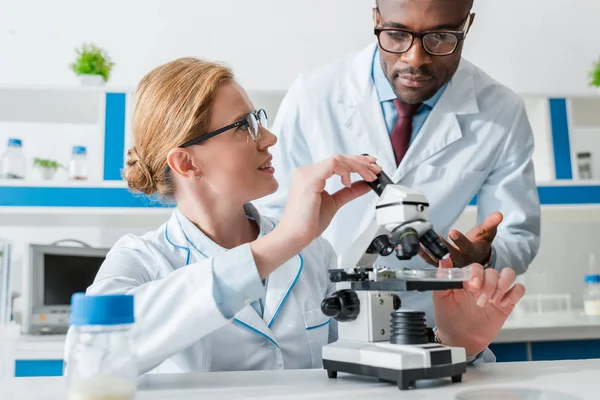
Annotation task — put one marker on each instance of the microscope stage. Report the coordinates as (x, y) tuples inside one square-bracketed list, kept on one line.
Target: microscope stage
[(403, 364)]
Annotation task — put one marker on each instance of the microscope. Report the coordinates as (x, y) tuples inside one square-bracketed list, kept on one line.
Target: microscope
[(375, 336)]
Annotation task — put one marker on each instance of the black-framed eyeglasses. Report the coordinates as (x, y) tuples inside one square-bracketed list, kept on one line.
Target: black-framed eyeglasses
[(436, 43), (252, 121)]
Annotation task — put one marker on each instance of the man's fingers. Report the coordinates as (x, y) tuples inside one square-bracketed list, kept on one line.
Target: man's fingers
[(505, 281), (462, 242), (427, 258), (513, 296)]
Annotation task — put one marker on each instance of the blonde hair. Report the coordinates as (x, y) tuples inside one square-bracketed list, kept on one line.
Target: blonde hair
[(173, 105)]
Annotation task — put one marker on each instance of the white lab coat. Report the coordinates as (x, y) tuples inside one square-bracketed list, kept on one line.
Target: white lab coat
[(179, 327), (476, 141)]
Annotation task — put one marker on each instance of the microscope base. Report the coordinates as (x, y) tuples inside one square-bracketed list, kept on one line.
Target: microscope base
[(401, 364)]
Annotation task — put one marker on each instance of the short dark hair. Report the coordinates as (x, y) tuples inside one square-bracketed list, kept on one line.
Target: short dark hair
[(470, 3)]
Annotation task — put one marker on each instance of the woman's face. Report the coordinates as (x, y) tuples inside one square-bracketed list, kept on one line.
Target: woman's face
[(232, 164)]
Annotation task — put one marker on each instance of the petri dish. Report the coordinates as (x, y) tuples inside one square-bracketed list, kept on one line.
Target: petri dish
[(514, 394), (434, 274)]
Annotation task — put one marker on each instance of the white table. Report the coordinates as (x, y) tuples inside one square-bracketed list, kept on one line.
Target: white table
[(579, 379)]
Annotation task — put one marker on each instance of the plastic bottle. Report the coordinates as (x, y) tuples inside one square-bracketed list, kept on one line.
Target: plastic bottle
[(78, 170), (13, 164), (591, 295), (101, 365)]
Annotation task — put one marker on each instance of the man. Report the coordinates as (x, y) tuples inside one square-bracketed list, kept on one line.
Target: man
[(436, 123)]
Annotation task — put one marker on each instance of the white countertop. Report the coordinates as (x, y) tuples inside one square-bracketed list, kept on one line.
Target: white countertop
[(577, 379), (573, 325)]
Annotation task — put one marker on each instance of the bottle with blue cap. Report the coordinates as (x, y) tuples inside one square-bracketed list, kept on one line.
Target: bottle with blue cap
[(13, 164), (102, 364), (78, 170), (591, 293)]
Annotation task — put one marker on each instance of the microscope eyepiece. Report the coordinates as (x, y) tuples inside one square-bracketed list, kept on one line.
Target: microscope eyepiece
[(380, 183)]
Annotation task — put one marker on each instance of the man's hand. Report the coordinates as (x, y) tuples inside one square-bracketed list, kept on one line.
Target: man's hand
[(471, 317), (474, 247)]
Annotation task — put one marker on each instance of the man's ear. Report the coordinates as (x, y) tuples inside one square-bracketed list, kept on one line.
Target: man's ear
[(181, 163), (375, 16)]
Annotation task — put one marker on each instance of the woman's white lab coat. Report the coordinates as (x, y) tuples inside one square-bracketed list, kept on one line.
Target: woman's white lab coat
[(179, 327)]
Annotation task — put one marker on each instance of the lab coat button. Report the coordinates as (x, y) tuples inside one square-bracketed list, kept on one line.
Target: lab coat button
[(246, 302)]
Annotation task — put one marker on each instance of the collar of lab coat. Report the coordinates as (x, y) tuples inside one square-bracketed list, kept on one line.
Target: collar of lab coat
[(365, 117), (182, 233)]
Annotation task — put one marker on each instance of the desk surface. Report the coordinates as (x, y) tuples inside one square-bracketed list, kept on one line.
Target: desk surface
[(578, 380)]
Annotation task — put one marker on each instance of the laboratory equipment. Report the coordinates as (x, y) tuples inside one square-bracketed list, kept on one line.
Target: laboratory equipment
[(591, 295), (584, 162), (13, 164), (375, 336), (102, 364), (78, 169), (9, 331), (55, 273)]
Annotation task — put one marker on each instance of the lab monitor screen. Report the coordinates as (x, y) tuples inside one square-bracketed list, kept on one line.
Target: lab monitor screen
[(67, 274)]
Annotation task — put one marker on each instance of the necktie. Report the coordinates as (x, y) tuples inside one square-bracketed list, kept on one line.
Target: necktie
[(402, 131)]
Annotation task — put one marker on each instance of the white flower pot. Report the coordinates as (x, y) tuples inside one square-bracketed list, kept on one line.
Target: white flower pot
[(46, 173), (92, 80)]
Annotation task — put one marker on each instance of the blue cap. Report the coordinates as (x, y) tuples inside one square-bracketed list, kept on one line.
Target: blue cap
[(101, 310), (79, 150), (592, 278), (15, 142)]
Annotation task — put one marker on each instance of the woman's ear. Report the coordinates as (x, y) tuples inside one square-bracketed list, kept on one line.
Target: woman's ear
[(182, 164)]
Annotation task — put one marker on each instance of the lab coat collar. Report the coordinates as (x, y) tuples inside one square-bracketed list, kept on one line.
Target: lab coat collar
[(183, 234), (365, 117)]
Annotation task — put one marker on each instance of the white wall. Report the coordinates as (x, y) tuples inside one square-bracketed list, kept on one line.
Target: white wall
[(531, 45)]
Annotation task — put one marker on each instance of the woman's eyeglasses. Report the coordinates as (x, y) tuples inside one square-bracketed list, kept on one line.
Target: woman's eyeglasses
[(253, 122)]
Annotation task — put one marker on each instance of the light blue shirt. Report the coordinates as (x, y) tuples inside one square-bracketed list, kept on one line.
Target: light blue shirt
[(386, 96)]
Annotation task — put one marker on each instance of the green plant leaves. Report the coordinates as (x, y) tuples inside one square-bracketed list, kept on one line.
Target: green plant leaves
[(51, 164), (92, 60), (595, 74)]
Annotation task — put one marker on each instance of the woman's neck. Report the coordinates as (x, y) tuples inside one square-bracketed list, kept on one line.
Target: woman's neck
[(224, 224)]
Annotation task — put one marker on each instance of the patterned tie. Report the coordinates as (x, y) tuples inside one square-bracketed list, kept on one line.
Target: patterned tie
[(402, 132)]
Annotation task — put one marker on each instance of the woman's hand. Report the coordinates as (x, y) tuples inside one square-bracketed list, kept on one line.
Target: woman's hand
[(471, 317), (310, 208)]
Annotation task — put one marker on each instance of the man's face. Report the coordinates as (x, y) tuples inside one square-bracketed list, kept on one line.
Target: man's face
[(416, 75)]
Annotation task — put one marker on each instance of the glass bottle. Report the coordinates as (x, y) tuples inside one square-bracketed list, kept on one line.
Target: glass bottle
[(102, 365), (78, 170), (13, 164)]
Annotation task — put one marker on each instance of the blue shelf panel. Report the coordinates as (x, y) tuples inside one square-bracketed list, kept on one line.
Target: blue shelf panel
[(21, 196), (565, 195), (559, 121), (509, 352), (114, 135), (33, 368), (26, 196), (565, 350)]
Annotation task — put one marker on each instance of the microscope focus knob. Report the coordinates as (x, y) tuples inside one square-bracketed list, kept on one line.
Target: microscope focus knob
[(342, 306)]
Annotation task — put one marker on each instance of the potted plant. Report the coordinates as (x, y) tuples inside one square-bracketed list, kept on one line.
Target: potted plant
[(595, 75), (93, 65), (46, 168)]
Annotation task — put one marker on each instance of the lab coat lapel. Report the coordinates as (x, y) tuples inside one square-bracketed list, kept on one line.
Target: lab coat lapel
[(280, 284), (442, 127), (202, 247), (365, 123)]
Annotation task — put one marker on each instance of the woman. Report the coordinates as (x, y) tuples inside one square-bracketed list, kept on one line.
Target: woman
[(220, 287)]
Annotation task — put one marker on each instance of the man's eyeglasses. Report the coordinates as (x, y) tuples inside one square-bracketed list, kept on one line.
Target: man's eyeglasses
[(436, 43), (253, 122)]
